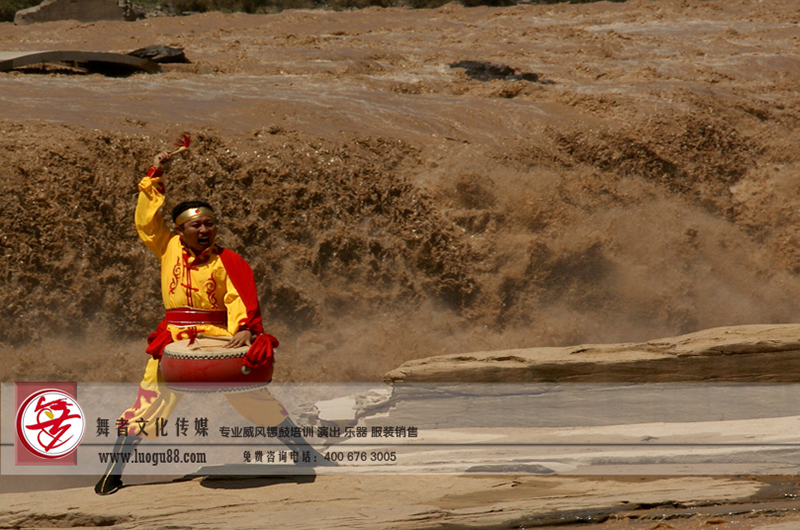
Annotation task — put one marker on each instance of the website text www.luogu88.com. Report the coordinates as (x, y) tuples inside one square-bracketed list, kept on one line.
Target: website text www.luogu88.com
[(154, 458)]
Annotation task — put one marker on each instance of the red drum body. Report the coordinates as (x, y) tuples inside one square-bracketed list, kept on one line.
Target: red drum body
[(206, 366)]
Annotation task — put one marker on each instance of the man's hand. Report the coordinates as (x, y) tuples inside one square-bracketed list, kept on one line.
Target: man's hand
[(161, 159), (242, 338)]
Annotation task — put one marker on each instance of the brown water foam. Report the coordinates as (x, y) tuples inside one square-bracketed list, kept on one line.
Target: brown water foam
[(361, 267), (393, 208)]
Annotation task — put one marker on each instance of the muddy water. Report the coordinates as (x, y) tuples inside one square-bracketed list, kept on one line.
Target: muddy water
[(241, 104), (395, 208)]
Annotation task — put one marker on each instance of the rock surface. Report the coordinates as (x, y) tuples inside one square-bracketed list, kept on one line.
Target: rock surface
[(366, 502), (736, 353), (80, 10)]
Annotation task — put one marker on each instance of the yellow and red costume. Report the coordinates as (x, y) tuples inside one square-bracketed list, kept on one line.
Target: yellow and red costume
[(213, 293)]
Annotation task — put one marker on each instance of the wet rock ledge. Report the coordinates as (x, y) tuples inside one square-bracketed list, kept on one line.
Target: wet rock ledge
[(750, 353)]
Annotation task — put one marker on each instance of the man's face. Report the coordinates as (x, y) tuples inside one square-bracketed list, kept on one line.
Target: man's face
[(198, 234)]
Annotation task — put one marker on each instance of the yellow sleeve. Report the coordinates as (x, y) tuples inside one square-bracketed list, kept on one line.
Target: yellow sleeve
[(237, 312), (149, 223)]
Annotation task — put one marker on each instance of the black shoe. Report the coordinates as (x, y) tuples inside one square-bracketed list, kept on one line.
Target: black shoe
[(108, 484)]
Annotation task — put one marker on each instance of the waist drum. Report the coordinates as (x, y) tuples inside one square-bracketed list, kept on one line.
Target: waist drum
[(205, 366)]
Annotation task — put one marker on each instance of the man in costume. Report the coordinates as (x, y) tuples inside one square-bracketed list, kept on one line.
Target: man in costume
[(206, 289)]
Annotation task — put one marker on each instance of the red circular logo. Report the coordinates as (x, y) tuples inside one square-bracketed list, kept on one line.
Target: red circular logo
[(50, 423)]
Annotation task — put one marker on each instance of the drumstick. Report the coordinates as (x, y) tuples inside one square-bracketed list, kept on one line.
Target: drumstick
[(182, 144)]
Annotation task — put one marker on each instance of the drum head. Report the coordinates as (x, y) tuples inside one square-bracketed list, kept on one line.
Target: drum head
[(204, 348)]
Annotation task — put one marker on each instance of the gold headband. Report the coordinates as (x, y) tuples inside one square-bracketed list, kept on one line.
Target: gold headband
[(191, 213)]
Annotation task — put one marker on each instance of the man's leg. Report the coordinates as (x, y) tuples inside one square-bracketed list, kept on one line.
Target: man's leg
[(262, 409), (259, 407), (154, 401), (111, 480)]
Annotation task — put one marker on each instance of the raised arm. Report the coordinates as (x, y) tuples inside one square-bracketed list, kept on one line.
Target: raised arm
[(149, 223)]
